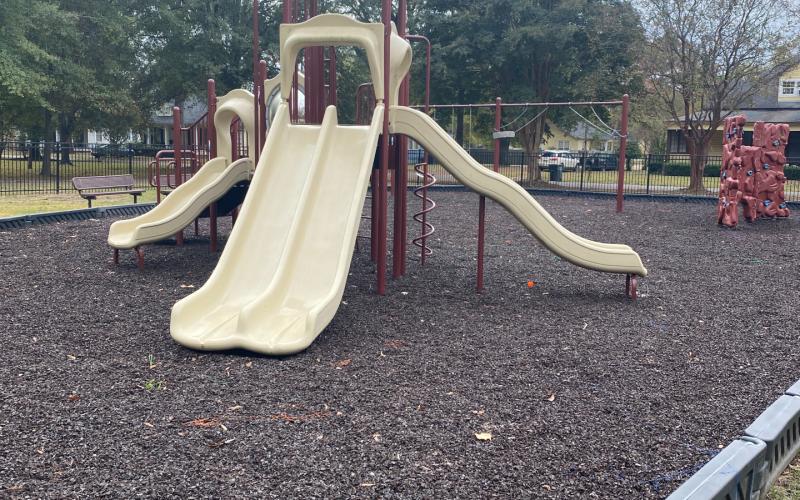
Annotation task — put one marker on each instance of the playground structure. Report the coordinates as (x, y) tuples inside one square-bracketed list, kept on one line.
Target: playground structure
[(301, 228), (281, 276), (752, 176)]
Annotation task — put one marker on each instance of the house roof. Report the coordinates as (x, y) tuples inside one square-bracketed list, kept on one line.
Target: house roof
[(193, 108), (582, 130)]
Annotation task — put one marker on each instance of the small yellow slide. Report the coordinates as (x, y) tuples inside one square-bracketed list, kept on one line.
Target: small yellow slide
[(186, 202)]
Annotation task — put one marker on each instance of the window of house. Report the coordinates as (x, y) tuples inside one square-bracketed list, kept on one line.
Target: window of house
[(563, 145), (790, 87)]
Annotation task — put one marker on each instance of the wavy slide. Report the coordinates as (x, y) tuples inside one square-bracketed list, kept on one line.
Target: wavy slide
[(183, 205), (281, 276), (567, 245)]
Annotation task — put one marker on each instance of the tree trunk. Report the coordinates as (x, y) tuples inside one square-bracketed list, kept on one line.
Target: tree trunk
[(697, 147), (48, 145), (65, 129), (531, 136)]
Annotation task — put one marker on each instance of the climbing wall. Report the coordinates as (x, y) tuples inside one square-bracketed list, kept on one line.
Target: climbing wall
[(752, 176)]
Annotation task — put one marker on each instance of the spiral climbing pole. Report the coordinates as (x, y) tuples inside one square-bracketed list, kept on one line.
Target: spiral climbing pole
[(426, 228)]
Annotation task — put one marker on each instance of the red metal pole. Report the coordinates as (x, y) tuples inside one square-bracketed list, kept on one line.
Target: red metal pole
[(498, 110), (400, 184), (212, 153), (404, 101), (498, 113), (386, 18), (176, 152), (212, 128), (176, 144), (235, 140), (262, 105), (287, 11), (623, 144), (481, 238), (332, 76), (256, 85)]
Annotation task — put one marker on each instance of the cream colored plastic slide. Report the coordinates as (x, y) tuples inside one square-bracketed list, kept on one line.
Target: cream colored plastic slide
[(567, 245), (183, 205), (186, 202), (281, 276)]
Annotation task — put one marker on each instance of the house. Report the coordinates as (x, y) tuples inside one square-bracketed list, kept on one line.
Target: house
[(581, 137), (779, 103), (159, 130)]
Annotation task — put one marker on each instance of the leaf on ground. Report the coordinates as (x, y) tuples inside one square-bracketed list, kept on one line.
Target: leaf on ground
[(341, 364), (395, 344), (551, 397), (187, 286), (234, 408), (204, 422), (73, 397), (71, 357), (483, 436), (248, 364), (221, 442), (148, 424)]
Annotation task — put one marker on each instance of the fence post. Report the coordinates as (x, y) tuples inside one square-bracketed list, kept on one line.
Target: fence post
[(58, 167), (130, 159), (647, 174), (583, 167)]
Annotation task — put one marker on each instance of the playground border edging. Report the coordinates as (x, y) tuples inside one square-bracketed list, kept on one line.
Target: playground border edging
[(746, 472), (22, 221)]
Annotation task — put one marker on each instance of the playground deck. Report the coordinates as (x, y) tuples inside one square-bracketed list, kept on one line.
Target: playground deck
[(581, 389)]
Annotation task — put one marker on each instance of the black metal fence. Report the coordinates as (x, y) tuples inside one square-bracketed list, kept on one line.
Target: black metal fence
[(25, 168), (49, 167), (598, 172)]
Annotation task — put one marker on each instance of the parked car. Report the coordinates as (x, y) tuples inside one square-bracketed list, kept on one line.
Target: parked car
[(601, 161), (140, 149), (112, 150), (560, 157)]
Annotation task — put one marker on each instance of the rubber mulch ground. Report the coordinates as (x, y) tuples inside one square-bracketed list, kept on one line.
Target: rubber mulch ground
[(585, 393)]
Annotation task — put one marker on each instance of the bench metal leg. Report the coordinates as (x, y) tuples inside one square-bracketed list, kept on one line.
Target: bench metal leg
[(139, 257), (197, 227), (135, 198), (90, 202), (116, 256), (179, 238)]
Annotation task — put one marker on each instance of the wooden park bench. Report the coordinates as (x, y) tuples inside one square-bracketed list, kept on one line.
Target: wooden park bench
[(106, 185)]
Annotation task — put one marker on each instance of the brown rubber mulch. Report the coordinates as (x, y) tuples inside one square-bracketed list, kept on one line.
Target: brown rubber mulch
[(585, 394)]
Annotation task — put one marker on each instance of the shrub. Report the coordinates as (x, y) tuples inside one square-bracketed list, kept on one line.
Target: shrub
[(684, 169)]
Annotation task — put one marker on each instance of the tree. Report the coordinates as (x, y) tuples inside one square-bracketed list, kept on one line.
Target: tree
[(542, 50), (73, 73), (707, 58)]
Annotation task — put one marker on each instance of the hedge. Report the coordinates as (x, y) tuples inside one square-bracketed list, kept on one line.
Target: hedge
[(792, 172)]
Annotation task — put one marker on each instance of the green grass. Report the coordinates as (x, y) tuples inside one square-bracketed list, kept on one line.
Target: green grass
[(34, 203), (788, 485)]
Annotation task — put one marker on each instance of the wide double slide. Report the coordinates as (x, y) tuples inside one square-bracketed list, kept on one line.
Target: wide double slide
[(605, 257), (282, 274)]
